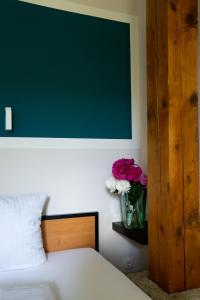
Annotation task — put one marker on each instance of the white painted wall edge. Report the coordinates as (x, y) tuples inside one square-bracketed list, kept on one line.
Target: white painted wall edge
[(83, 9), (65, 143)]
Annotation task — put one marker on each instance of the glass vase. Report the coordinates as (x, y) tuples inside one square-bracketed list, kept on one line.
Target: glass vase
[(133, 213)]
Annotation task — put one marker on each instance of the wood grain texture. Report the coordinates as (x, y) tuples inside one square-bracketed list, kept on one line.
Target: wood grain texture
[(165, 154), (171, 209), (69, 233), (153, 143), (190, 142), (172, 144)]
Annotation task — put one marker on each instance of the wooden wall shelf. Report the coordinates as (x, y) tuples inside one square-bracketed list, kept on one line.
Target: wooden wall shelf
[(138, 235)]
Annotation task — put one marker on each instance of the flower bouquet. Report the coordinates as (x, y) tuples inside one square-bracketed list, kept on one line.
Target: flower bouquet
[(130, 183)]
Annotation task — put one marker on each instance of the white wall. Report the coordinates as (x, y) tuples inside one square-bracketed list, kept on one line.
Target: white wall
[(122, 6), (75, 179), (143, 78)]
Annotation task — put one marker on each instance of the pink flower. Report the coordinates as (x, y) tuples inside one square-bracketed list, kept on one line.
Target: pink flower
[(143, 180), (121, 168), (135, 173)]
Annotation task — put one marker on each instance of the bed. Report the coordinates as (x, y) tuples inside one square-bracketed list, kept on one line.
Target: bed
[(74, 269)]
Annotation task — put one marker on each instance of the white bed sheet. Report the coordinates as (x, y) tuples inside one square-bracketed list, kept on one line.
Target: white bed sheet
[(80, 274), (32, 292)]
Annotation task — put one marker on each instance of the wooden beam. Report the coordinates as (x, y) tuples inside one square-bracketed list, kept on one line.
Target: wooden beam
[(190, 142), (153, 142), (172, 161)]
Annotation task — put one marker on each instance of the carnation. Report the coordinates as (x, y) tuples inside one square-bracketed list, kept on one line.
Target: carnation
[(135, 173), (111, 184), (127, 177), (120, 186), (121, 168), (143, 180), (123, 186)]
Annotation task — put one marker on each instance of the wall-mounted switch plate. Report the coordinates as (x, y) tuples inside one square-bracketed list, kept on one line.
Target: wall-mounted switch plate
[(8, 118)]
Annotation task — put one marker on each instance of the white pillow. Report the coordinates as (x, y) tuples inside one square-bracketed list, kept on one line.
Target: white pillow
[(20, 233)]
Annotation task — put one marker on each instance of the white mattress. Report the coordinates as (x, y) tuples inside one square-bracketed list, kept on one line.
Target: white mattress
[(81, 274)]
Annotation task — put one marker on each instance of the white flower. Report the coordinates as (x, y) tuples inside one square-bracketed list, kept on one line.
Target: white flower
[(111, 184), (123, 186)]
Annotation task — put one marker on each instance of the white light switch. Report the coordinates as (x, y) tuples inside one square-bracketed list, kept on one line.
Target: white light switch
[(8, 118)]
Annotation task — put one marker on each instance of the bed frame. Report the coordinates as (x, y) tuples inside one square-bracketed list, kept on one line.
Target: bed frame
[(71, 231)]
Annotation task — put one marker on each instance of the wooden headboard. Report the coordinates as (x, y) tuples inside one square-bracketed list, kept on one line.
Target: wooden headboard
[(62, 232)]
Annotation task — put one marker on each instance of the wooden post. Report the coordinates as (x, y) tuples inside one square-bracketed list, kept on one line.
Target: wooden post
[(174, 231)]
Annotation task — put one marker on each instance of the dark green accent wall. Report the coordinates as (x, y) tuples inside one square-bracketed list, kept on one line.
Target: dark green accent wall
[(63, 74)]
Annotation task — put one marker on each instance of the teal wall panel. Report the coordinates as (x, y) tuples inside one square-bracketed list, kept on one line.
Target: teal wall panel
[(64, 74)]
